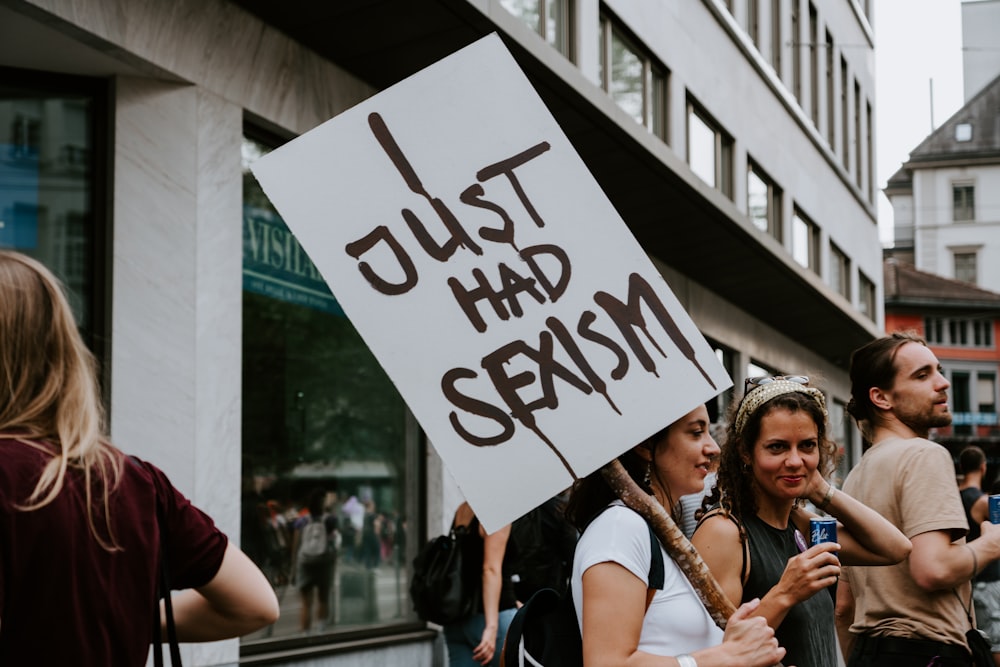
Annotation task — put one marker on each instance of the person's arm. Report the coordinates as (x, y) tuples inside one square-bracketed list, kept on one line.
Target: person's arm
[(980, 509), (717, 540), (937, 563), (237, 601), (843, 617), (494, 547), (614, 605), (864, 535)]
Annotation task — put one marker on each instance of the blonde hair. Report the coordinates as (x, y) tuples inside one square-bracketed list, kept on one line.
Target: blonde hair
[(49, 398)]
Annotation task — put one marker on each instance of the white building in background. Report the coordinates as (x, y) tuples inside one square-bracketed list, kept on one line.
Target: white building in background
[(736, 139), (946, 196)]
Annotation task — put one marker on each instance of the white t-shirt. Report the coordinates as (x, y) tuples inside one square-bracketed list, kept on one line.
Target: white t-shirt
[(676, 621)]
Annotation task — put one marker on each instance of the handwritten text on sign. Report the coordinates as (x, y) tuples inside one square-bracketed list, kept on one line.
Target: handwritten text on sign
[(492, 279)]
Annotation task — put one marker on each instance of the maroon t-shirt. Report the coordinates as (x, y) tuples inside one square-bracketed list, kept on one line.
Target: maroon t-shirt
[(64, 599)]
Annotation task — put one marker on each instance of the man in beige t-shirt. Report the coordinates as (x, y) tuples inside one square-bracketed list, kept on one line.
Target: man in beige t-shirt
[(916, 611)]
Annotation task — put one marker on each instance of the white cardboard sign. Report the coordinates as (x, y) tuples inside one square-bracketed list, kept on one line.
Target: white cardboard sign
[(476, 255)]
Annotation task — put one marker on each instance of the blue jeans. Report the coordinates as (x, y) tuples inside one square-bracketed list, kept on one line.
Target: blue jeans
[(462, 638)]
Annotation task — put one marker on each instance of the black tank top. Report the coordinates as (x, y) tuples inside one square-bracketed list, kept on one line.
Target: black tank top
[(969, 496), (807, 633)]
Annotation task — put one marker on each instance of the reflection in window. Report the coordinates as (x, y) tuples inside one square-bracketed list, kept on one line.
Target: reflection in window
[(321, 420), (763, 202), (710, 150), (964, 203), (47, 180), (632, 79), (805, 241), (549, 18)]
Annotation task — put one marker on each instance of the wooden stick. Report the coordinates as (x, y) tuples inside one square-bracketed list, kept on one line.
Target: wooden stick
[(676, 544)]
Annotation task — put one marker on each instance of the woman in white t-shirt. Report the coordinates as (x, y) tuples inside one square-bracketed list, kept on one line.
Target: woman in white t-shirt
[(621, 617)]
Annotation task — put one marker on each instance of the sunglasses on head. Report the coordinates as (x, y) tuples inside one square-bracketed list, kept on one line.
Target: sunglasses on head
[(750, 383)]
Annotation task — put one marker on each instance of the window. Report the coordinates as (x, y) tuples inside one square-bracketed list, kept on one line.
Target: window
[(959, 332), (963, 132), (866, 296), (549, 18), (986, 393), (965, 266), (831, 121), (870, 152), (934, 330), (763, 202), (320, 419), (844, 117), (963, 203), (842, 433), (50, 178), (857, 134), (796, 52), (718, 407), (753, 22), (710, 150), (961, 402), (982, 333), (805, 241), (776, 46), (632, 79), (840, 271), (814, 64)]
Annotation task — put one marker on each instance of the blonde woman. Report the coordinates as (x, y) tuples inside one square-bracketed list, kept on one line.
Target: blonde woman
[(79, 539)]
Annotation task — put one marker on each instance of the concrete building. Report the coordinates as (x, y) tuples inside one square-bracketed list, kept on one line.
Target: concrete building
[(736, 139)]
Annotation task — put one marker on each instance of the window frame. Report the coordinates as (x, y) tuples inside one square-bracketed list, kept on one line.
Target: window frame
[(773, 194), (964, 210), (722, 149), (564, 26), (812, 239), (655, 75)]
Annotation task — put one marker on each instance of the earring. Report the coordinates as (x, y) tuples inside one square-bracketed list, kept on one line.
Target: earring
[(646, 476)]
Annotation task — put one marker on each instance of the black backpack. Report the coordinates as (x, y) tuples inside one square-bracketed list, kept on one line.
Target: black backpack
[(542, 542), (446, 586), (545, 633)]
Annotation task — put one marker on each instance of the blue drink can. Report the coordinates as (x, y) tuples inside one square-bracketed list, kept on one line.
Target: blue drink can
[(824, 530), (995, 509)]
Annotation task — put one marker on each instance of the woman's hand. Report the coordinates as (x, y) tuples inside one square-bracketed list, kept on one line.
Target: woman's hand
[(749, 641), (487, 646), (811, 571)]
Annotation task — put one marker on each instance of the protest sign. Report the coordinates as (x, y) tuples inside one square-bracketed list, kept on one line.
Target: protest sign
[(521, 321)]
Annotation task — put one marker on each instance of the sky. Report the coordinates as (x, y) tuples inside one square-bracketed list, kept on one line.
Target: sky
[(918, 49)]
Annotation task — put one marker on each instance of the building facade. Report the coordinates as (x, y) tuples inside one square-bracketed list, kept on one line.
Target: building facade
[(736, 139)]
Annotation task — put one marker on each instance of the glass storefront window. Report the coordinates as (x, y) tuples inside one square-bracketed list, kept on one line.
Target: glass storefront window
[(323, 423), (47, 179)]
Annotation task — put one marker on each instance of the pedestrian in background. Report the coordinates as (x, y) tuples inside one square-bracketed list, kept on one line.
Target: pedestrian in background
[(918, 612), (777, 454), (986, 584), (478, 639), (79, 536)]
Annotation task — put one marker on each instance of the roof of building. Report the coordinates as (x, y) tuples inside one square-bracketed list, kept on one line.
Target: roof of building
[(906, 285), (970, 136)]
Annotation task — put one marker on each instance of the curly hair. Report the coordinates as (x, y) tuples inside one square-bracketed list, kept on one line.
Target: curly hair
[(734, 488)]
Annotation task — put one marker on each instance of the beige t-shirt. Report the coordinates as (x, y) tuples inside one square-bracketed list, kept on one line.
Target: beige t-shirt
[(912, 484)]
